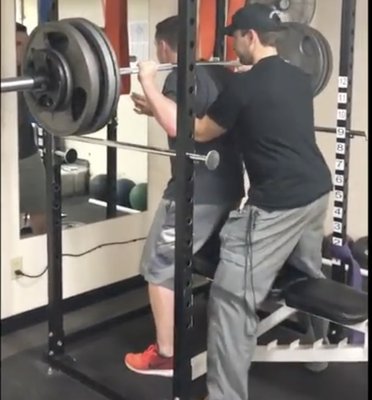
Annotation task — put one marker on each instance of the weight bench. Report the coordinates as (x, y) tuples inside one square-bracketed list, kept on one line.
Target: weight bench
[(295, 292)]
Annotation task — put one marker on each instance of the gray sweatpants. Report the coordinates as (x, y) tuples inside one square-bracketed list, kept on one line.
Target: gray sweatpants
[(254, 246)]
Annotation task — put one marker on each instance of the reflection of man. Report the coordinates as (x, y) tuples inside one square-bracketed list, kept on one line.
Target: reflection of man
[(31, 169), (215, 194)]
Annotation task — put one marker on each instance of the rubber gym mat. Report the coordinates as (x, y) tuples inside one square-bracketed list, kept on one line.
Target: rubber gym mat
[(101, 358), (24, 376)]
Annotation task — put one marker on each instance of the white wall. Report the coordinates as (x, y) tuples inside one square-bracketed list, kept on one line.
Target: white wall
[(328, 21)]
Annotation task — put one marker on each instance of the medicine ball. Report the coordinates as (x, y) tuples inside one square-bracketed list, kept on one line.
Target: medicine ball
[(360, 251), (123, 189), (138, 197), (97, 187)]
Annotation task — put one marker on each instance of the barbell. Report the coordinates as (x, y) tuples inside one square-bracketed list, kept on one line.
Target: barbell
[(70, 77), (71, 83)]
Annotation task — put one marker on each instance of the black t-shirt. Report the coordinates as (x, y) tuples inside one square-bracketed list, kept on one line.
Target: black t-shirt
[(270, 108), (26, 138), (224, 184)]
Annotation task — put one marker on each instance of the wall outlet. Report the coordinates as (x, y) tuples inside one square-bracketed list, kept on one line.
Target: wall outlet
[(16, 264)]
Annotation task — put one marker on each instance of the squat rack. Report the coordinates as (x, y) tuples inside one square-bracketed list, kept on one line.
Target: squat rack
[(184, 204), (184, 227)]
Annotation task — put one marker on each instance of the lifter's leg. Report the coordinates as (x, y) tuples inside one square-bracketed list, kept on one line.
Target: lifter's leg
[(162, 306), (157, 266)]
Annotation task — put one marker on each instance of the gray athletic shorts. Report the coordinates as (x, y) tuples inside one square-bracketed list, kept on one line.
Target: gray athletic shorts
[(157, 264), (32, 192)]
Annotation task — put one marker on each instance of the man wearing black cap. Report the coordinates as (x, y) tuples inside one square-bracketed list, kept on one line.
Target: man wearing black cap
[(270, 108)]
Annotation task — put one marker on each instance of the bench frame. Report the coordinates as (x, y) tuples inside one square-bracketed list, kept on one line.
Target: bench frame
[(295, 351)]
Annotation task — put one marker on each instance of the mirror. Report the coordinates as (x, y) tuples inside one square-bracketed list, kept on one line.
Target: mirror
[(84, 179)]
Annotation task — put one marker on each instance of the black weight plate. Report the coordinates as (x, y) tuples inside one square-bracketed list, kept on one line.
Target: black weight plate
[(109, 71), (360, 251), (328, 57), (291, 10), (74, 48), (324, 71), (299, 45)]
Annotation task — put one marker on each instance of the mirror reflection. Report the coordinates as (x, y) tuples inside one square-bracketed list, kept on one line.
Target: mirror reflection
[(87, 170)]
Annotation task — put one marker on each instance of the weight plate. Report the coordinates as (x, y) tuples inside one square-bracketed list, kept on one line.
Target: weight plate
[(328, 57), (84, 68), (109, 71), (57, 96), (300, 46), (291, 10)]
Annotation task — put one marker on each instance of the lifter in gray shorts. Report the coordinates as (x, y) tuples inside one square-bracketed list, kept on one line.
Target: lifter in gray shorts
[(216, 193), (32, 192)]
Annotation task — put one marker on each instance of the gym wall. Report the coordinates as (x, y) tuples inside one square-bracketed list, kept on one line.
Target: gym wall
[(100, 268)]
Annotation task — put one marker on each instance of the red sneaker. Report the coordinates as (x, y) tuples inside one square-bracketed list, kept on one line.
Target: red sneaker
[(150, 362)]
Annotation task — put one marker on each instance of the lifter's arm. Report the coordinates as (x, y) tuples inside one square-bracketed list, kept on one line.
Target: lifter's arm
[(207, 129), (222, 115), (164, 109)]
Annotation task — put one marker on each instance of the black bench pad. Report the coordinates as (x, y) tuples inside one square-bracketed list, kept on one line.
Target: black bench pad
[(322, 297), (328, 299)]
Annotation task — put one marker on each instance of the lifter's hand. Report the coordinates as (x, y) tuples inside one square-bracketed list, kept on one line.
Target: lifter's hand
[(140, 104), (147, 71)]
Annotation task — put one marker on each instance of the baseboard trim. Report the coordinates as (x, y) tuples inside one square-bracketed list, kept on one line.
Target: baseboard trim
[(38, 315)]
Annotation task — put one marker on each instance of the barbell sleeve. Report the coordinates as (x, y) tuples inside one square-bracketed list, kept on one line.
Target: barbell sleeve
[(211, 159), (69, 156), (22, 83)]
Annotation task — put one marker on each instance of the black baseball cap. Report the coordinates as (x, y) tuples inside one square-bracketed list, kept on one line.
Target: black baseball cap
[(259, 17)]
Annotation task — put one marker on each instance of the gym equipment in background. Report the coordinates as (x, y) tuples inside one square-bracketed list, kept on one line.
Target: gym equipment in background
[(138, 197), (301, 11), (360, 251), (123, 189), (308, 49)]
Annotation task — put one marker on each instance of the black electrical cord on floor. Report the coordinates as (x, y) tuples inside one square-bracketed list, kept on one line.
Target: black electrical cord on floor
[(18, 272)]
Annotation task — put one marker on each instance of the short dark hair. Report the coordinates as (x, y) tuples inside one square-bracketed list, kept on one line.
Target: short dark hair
[(267, 38), (167, 30), (20, 28)]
